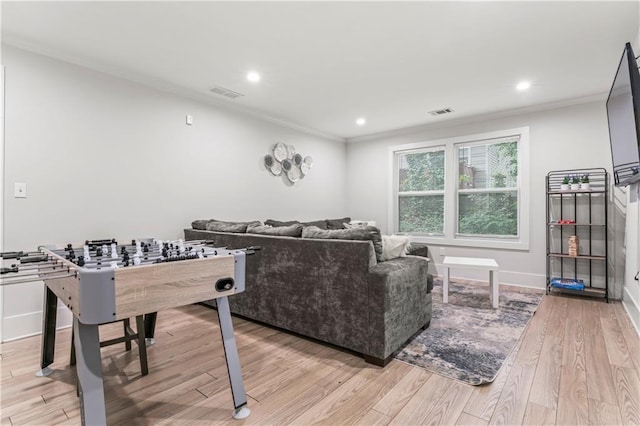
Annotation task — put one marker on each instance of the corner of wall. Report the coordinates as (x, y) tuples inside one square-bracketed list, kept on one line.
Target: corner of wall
[(632, 310)]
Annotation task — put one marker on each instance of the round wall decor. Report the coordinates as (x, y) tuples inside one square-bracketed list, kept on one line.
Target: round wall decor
[(285, 161), (280, 151)]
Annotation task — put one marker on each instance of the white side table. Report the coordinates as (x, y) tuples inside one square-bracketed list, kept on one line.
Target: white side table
[(474, 263)]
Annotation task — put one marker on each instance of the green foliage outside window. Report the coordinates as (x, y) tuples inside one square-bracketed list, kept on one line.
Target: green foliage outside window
[(422, 171), (422, 214), (488, 214), (507, 154)]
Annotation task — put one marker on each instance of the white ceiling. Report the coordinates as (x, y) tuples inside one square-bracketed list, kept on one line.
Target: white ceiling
[(324, 64)]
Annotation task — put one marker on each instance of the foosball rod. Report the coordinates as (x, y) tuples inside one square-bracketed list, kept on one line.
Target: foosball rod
[(23, 279), (15, 269), (48, 264), (17, 254), (29, 272)]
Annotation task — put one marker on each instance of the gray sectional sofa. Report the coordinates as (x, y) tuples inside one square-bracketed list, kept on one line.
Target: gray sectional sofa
[(332, 290)]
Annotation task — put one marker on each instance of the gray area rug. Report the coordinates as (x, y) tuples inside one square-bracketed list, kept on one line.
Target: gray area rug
[(468, 340)]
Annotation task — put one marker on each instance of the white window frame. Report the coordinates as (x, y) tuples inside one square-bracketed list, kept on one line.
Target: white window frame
[(450, 238)]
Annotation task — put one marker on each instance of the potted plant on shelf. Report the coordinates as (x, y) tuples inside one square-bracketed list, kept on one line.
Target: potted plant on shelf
[(584, 182), (575, 183), (564, 186)]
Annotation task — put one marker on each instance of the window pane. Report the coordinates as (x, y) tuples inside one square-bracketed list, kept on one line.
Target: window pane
[(422, 214), (421, 171), (488, 213), (488, 166), (503, 165)]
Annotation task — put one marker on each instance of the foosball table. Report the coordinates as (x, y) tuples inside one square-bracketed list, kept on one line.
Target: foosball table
[(103, 282)]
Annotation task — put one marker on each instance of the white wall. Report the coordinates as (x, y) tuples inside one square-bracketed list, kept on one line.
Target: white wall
[(103, 157), (631, 291), (563, 138)]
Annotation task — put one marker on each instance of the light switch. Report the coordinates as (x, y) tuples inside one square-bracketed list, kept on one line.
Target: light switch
[(189, 120), (20, 190)]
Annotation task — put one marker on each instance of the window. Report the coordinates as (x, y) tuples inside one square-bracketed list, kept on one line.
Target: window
[(463, 191), (421, 191), (488, 188)]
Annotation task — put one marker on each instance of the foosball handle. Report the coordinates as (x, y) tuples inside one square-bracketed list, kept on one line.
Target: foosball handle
[(33, 259), (11, 254), (8, 270)]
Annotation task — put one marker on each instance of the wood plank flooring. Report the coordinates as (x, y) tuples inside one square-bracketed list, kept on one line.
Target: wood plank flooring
[(577, 363)]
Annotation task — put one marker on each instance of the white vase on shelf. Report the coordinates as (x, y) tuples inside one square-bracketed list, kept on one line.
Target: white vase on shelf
[(564, 187), (585, 186), (575, 186)]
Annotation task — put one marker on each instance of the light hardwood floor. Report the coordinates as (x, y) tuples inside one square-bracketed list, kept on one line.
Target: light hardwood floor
[(577, 363)]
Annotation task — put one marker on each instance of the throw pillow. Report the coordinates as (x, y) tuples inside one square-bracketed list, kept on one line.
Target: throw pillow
[(370, 233), (236, 227), (337, 223), (394, 246), (322, 224), (277, 223), (294, 230)]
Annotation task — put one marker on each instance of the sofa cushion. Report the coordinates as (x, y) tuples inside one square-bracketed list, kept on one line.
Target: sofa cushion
[(277, 223), (337, 223), (418, 249), (294, 230), (370, 233), (200, 224), (221, 226), (322, 224)]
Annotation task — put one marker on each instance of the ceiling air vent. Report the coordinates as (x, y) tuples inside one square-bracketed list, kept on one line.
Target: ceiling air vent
[(442, 111), (226, 92)]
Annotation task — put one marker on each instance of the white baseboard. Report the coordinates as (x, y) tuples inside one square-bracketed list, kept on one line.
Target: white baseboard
[(30, 324), (632, 310), (518, 279)]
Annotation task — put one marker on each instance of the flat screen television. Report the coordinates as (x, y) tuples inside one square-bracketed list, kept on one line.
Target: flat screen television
[(623, 114)]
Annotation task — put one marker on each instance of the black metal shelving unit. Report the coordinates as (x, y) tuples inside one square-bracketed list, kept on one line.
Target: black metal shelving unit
[(586, 211)]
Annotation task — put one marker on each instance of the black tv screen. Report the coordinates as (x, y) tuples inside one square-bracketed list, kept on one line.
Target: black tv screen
[(623, 114)]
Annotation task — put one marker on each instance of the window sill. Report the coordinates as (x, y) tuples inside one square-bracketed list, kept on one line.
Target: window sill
[(470, 242)]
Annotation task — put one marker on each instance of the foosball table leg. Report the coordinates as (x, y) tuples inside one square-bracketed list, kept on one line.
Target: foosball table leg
[(150, 327), (241, 411), (89, 370), (48, 332)]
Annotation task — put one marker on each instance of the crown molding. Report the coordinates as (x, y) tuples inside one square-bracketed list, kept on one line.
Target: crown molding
[(480, 117), (205, 98)]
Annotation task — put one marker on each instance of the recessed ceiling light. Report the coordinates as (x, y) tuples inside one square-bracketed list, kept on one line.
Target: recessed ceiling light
[(253, 77), (523, 85), (361, 121)]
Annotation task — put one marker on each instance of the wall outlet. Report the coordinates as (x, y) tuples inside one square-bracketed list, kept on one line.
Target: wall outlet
[(20, 190), (442, 251)]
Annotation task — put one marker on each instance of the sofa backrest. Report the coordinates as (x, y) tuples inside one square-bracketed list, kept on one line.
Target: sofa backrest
[(353, 252)]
